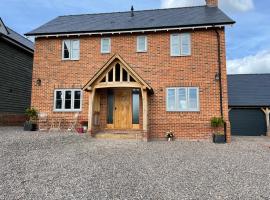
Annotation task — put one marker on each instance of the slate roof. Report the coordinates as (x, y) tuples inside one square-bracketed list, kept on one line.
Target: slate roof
[(10, 35), (145, 19), (249, 90), (20, 39)]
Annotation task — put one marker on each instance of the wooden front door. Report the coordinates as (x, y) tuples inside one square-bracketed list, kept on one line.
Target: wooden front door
[(122, 110)]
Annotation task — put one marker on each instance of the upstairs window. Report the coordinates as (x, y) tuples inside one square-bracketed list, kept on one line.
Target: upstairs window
[(69, 100), (106, 45), (142, 44), (71, 50), (181, 44), (183, 99)]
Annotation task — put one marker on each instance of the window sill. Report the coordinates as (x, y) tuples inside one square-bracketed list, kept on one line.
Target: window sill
[(141, 51), (65, 111), (183, 111), (70, 60), (181, 56)]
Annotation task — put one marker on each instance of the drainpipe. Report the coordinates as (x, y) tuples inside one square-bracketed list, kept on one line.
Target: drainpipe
[(220, 80)]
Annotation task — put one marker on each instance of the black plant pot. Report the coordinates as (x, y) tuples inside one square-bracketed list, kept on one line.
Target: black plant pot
[(220, 139), (34, 127), (29, 127)]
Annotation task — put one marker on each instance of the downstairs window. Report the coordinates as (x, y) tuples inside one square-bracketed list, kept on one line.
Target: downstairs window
[(69, 100), (183, 99)]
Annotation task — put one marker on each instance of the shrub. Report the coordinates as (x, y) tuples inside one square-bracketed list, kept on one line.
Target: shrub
[(217, 122), (31, 114)]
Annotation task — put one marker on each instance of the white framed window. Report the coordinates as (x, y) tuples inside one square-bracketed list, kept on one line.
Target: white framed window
[(180, 44), (105, 45), (68, 100), (183, 99), (71, 49), (142, 44)]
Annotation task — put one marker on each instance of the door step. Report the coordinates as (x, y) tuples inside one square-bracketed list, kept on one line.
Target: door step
[(119, 134)]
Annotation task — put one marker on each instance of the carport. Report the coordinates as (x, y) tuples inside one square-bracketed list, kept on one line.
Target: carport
[(249, 104)]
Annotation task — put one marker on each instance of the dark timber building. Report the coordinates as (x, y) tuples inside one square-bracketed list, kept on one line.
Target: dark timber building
[(16, 63)]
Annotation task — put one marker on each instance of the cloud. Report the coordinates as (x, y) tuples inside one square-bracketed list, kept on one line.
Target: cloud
[(259, 63), (228, 5), (237, 5)]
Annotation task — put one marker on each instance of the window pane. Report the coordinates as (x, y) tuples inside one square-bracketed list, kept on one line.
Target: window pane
[(131, 79), (125, 75), (117, 72), (175, 45), (58, 104), (59, 95), (105, 45), (75, 49), (75, 44), (110, 107), (67, 49), (182, 99), (68, 95), (185, 44), (171, 100), (67, 104), (193, 99), (77, 99), (77, 95), (135, 106), (111, 75), (68, 100), (77, 104), (58, 101), (141, 43)]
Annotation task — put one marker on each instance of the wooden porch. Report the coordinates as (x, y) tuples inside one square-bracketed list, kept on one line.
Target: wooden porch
[(122, 86)]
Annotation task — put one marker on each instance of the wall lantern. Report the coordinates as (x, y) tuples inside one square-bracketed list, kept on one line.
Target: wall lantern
[(38, 82), (217, 76)]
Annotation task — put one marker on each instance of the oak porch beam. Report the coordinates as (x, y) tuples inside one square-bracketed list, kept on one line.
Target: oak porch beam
[(267, 112), (145, 109), (91, 109)]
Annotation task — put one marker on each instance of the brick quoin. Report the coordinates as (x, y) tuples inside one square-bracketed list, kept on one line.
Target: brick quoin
[(156, 67)]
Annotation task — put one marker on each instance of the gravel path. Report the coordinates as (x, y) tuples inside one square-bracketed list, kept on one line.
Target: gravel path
[(37, 165)]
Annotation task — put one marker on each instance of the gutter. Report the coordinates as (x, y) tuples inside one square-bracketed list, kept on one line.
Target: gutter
[(139, 30), (220, 81)]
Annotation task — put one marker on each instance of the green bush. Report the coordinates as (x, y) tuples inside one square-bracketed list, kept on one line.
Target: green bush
[(217, 122), (31, 113)]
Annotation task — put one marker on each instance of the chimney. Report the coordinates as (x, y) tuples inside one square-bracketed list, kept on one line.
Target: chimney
[(132, 11), (212, 3)]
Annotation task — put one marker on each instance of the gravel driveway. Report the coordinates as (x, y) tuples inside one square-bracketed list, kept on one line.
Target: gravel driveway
[(67, 166)]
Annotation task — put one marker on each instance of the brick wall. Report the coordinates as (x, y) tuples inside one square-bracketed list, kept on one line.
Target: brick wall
[(11, 119), (156, 67)]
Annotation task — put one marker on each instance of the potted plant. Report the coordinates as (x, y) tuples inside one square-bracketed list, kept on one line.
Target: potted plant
[(31, 123), (169, 135), (218, 136), (84, 125)]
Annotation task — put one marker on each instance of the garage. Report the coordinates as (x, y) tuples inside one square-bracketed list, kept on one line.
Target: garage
[(249, 104), (247, 121)]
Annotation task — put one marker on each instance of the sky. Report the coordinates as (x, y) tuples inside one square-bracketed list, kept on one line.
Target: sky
[(247, 42)]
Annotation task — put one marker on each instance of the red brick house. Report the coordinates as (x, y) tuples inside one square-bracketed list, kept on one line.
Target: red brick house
[(151, 71)]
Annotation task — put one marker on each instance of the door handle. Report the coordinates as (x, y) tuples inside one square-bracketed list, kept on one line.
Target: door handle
[(115, 108)]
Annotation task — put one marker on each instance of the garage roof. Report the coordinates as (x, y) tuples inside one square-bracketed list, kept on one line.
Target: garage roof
[(249, 90)]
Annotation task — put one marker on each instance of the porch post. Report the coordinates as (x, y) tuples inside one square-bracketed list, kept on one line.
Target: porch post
[(145, 113), (267, 112), (90, 111)]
